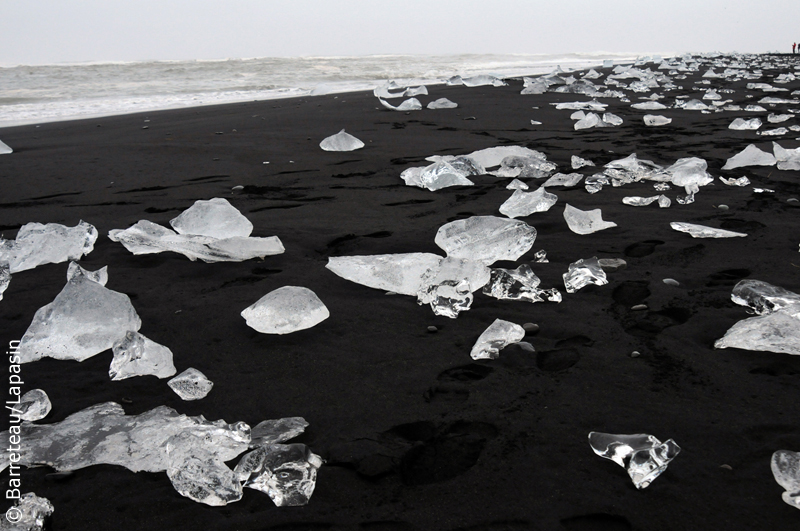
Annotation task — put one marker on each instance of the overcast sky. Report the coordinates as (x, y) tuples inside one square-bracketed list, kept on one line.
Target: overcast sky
[(56, 31)]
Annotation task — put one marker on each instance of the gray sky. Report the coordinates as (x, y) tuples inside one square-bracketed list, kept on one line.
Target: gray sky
[(55, 31)]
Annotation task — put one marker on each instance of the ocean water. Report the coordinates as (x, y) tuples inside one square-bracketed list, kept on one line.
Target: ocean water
[(36, 94)]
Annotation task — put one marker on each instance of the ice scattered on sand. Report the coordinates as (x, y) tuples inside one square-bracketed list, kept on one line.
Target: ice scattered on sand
[(215, 218), (522, 204), (422, 90), (448, 287), (286, 310), (740, 124), (411, 104), (701, 231), (191, 384), (778, 118), (38, 244), (499, 335), (396, 273), (33, 405), (136, 355), (485, 238), (582, 273), (5, 149), (741, 181), (520, 284), (643, 456), (663, 201), (750, 156), (761, 297), (442, 174), (785, 466), (341, 141), (29, 513), (442, 103), (649, 106), (788, 159), (5, 279), (585, 221), (774, 132), (516, 184), (578, 162), (654, 120), (563, 179), (287, 473)]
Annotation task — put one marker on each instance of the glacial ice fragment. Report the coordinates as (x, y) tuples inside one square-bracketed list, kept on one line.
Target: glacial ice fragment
[(411, 104), (494, 156), (276, 431), (516, 166), (649, 106), (778, 331), (584, 272), (499, 335), (199, 474), (563, 179), (522, 204), (483, 80), (442, 103), (437, 176), (741, 181), (448, 287), (136, 355), (485, 238), (397, 273), (611, 119), (785, 466), (750, 156), (643, 456), (286, 310), (701, 231), (585, 221), (33, 405), (762, 297), (788, 159), (587, 122), (516, 184), (644, 201), (191, 384), (520, 284), (690, 172), (578, 162), (654, 120), (422, 90), (287, 473), (29, 512), (5, 279), (215, 218), (38, 244), (5, 149), (774, 132), (778, 118), (382, 92), (592, 105), (84, 319), (341, 141), (740, 124)]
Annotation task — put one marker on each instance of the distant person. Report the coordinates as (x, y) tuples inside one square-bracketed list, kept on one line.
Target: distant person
[(794, 45)]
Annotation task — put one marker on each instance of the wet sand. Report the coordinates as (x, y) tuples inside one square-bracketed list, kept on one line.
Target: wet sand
[(414, 433)]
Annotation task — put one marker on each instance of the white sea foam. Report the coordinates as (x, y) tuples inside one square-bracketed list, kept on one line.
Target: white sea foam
[(35, 94)]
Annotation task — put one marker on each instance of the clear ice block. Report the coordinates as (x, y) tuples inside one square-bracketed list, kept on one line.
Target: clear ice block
[(778, 118), (136, 355), (531, 167), (287, 473), (341, 141), (448, 287), (690, 171), (643, 456), (5, 279), (38, 244), (516, 184), (29, 512), (33, 405), (198, 473), (584, 272), (701, 231), (587, 122), (649, 106), (398, 273), (788, 159), (411, 104), (494, 156), (578, 162), (519, 284), (585, 221), (740, 124), (522, 204), (639, 201), (5, 149), (442, 103), (762, 297), (486, 238), (774, 332), (286, 310), (276, 431), (436, 176), (499, 335), (785, 466), (563, 179), (191, 384), (215, 218), (750, 156), (741, 181), (656, 120)]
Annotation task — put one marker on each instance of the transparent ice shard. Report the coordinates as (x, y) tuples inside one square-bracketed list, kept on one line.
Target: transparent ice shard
[(499, 335), (522, 204), (701, 231), (785, 466), (411, 104), (215, 218), (741, 181), (383, 91), (690, 171), (38, 244), (287, 473), (761, 297), (198, 473), (540, 257), (693, 105), (755, 108), (584, 272), (191, 384), (5, 149), (422, 90), (341, 141), (448, 287), (520, 284), (398, 273), (442, 103), (136, 355), (516, 166), (494, 156), (655, 120), (516, 184), (84, 319), (774, 132), (483, 80), (664, 201), (788, 159), (592, 105), (643, 456), (454, 81), (611, 119), (485, 238), (29, 512), (587, 122), (5, 279), (585, 221), (276, 431), (437, 176), (578, 162), (286, 310), (778, 118), (778, 331), (639, 201), (563, 179), (649, 106), (33, 405), (750, 156)]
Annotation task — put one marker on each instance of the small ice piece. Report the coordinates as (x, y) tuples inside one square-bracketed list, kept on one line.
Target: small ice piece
[(788, 159), (286, 310), (276, 431), (763, 190), (592, 105), (85, 319), (701, 231), (33, 405), (397, 273), (762, 297), (516, 166), (778, 118), (540, 257), (522, 204), (639, 201), (29, 512), (563, 179), (448, 287), (442, 103), (585, 221), (5, 149), (578, 162), (611, 119), (411, 104), (755, 108), (664, 201), (516, 184), (519, 284), (643, 456), (661, 187), (741, 181), (38, 244), (534, 122), (215, 218), (774, 132), (750, 156), (341, 141), (437, 176), (499, 335), (383, 91), (588, 121), (649, 106), (5, 279), (584, 272), (785, 466), (740, 124), (422, 90), (200, 475), (136, 355), (778, 331), (287, 473), (655, 120), (483, 80), (577, 115), (494, 156), (690, 172), (485, 238), (694, 105), (191, 384)]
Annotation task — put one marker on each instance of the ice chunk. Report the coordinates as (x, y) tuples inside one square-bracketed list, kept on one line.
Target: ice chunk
[(516, 184), (442, 103), (491, 157), (611, 119), (649, 106), (778, 331), (520, 284), (286, 310), (5, 279), (198, 473), (585, 221), (136, 355), (788, 159), (38, 244), (592, 105), (191, 384), (774, 132), (578, 162), (640, 201), (693, 105), (341, 141), (483, 80), (29, 512), (762, 297), (701, 231), (563, 179), (741, 181), (516, 166), (454, 80), (215, 218), (83, 320), (755, 108), (643, 456), (33, 405), (499, 335), (448, 287), (654, 120), (584, 272), (750, 156), (397, 273), (5, 149), (690, 172), (522, 204), (587, 122), (422, 90), (785, 466), (485, 238), (383, 91), (437, 176), (411, 104), (287, 473), (276, 431)]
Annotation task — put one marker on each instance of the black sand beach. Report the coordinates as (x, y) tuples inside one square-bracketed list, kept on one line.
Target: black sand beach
[(414, 433)]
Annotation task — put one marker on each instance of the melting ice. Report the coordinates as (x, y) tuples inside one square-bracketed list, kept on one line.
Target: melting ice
[(341, 141), (286, 310), (643, 456), (38, 244), (499, 335)]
